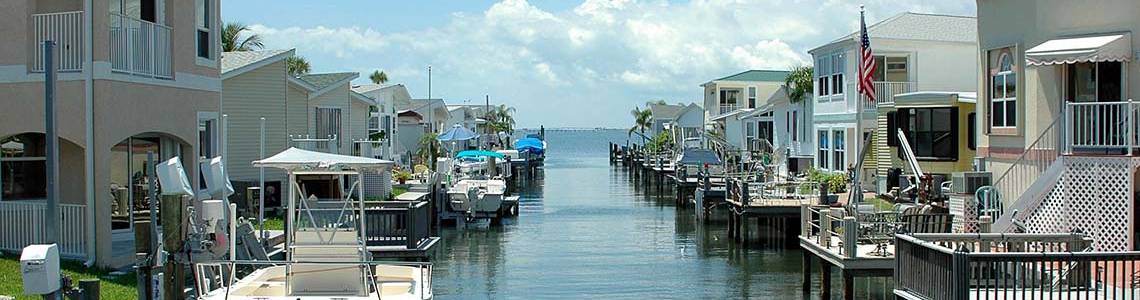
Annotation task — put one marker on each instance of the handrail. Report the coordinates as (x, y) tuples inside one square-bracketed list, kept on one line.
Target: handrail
[(140, 47), (1003, 182)]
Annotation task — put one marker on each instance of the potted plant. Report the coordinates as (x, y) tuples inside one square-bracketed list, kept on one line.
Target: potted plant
[(402, 176)]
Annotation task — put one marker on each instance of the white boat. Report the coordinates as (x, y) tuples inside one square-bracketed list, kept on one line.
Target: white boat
[(326, 257), (484, 196)]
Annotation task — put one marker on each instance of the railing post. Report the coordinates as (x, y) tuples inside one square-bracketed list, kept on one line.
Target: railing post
[(984, 223), (850, 236), (1128, 126), (960, 273), (825, 227), (805, 219)]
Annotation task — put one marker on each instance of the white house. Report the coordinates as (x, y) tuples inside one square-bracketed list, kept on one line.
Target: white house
[(416, 117), (382, 119), (727, 98), (912, 52), (783, 125)]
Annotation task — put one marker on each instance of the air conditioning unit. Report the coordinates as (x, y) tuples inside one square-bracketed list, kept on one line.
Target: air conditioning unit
[(969, 182)]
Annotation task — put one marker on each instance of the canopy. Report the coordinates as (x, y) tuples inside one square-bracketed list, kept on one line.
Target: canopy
[(699, 156), (293, 159), (530, 145), (479, 153), (457, 133), (1112, 47)]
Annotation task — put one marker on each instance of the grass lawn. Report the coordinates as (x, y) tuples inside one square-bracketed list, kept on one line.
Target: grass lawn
[(271, 223), (120, 287), (880, 204), (397, 190)]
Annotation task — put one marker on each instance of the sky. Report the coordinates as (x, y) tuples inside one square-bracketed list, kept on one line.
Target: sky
[(581, 64)]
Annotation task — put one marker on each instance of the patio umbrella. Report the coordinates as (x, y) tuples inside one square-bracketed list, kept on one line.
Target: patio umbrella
[(457, 133)]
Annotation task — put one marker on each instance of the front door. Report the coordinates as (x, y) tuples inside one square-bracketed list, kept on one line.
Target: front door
[(1093, 98)]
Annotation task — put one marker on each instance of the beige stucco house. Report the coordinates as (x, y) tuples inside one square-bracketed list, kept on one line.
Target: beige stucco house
[(1055, 83), (254, 84), (120, 95)]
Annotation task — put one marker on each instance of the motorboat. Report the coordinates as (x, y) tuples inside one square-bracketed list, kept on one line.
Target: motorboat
[(326, 256), (474, 189)]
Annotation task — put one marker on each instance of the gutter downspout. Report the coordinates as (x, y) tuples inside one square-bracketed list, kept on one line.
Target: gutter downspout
[(89, 131)]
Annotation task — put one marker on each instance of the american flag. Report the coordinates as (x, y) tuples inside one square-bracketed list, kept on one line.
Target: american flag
[(867, 61)]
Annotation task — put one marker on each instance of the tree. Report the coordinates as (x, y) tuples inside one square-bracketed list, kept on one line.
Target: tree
[(378, 77), (798, 84), (297, 65), (503, 119), (642, 120), (429, 148), (232, 38)]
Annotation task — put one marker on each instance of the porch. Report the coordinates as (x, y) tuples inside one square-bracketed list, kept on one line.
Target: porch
[(137, 46)]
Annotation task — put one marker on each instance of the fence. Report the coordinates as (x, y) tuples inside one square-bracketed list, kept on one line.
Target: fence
[(140, 47), (397, 223), (66, 30), (1011, 266), (1101, 125), (22, 224), (885, 92)]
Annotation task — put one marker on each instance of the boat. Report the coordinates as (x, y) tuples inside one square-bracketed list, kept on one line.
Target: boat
[(326, 257), (532, 146), (475, 190)]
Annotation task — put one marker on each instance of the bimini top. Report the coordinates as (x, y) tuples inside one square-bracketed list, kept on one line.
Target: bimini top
[(479, 154), (294, 159), (699, 157), (1102, 48), (530, 145)]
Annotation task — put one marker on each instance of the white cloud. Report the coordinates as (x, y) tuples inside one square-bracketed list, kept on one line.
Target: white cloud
[(602, 55)]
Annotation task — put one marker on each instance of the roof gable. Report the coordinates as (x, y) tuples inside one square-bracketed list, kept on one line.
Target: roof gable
[(757, 75), (919, 26), (317, 84), (236, 63)]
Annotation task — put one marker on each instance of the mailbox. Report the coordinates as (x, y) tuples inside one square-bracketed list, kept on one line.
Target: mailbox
[(39, 265)]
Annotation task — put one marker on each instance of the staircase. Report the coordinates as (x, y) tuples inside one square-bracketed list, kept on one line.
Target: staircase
[(1026, 174)]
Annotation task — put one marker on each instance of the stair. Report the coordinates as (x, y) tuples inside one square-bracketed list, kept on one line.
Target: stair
[(1029, 200)]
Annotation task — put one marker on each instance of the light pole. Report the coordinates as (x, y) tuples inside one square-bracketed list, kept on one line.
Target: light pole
[(431, 125)]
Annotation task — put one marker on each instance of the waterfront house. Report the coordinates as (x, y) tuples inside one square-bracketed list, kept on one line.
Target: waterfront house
[(687, 119), (119, 95), (254, 84), (781, 124), (940, 128), (416, 117), (1059, 126), (912, 52), (382, 119), (325, 115), (727, 98)]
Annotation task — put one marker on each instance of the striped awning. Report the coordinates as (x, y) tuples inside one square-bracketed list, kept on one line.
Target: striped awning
[(1099, 48)]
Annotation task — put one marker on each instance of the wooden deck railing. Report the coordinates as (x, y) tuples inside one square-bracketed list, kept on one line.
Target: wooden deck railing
[(1011, 266), (397, 223)]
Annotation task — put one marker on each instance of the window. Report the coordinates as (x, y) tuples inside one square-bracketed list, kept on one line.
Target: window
[(839, 142), (328, 123), (207, 143), (972, 131), (932, 132), (204, 24), (751, 97), (1094, 82), (729, 99), (1003, 89), (824, 150), (829, 75), (749, 130), (23, 167), (795, 126)]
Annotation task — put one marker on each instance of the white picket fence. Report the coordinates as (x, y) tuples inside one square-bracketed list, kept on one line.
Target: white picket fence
[(22, 223)]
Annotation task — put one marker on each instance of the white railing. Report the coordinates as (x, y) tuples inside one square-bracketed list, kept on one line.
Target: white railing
[(66, 30), (885, 92), (1027, 169), (1101, 125), (327, 145), (727, 108), (22, 223), (140, 47)]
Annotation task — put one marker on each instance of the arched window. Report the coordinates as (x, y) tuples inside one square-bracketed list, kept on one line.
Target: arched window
[(1003, 91), (23, 167)]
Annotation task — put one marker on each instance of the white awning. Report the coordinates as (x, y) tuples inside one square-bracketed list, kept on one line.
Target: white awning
[(1113, 47), (294, 159)]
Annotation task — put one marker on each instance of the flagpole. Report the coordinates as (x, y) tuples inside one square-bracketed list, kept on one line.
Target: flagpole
[(856, 186)]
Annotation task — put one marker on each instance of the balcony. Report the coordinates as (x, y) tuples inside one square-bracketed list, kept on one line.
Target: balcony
[(66, 30), (140, 47), (885, 92), (727, 108), (1101, 127)]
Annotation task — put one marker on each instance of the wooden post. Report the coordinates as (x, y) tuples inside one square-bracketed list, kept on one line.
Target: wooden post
[(825, 227), (805, 219), (824, 280), (850, 238), (848, 285), (806, 284), (173, 233)]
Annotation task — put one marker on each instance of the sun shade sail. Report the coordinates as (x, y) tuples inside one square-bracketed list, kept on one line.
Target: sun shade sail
[(1102, 48), (297, 159)]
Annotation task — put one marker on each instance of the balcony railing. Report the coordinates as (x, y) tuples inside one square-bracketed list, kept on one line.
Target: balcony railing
[(66, 30), (23, 225), (885, 92), (140, 47), (727, 108), (1101, 126)]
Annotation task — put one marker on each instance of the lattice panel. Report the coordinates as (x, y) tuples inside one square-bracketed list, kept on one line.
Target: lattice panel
[(1093, 195)]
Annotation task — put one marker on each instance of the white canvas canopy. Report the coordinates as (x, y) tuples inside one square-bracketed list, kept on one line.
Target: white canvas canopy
[(1101, 48), (294, 159)]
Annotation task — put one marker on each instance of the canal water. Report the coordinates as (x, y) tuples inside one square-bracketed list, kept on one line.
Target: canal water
[(589, 230)]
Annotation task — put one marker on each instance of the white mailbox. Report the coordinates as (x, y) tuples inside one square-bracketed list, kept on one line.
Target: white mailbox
[(39, 265)]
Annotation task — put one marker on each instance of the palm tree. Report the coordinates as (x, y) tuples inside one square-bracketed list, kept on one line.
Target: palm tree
[(297, 65), (429, 148), (798, 83), (643, 119), (503, 118), (232, 41), (378, 77)]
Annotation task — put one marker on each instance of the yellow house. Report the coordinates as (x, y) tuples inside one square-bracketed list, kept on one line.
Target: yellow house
[(940, 127)]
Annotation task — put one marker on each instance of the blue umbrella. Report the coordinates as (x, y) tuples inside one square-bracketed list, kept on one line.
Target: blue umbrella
[(457, 133)]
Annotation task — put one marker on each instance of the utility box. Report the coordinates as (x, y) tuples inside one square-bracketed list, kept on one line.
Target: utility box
[(39, 265)]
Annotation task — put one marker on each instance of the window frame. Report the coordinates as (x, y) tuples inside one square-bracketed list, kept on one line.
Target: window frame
[(839, 149), (751, 97), (23, 159), (954, 135), (823, 149), (204, 22), (1006, 126)]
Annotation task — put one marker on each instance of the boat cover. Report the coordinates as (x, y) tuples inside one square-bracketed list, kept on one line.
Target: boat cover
[(531, 145), (478, 154), (298, 159), (699, 157)]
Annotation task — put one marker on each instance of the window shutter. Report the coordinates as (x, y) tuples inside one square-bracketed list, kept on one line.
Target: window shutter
[(892, 127), (902, 119), (954, 132), (972, 131)]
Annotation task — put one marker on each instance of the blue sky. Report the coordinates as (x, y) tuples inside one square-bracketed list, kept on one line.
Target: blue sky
[(561, 63)]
